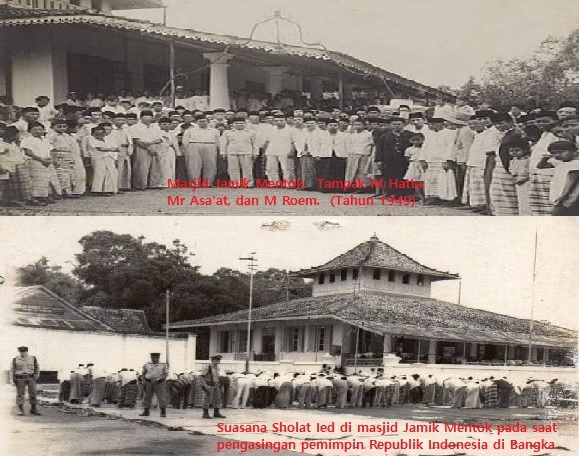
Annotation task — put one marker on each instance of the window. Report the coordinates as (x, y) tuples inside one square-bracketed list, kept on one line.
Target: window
[(355, 274), (243, 341), (376, 274), (420, 280), (321, 338), (225, 342), (344, 275), (295, 339), (406, 279), (391, 276), (321, 278), (332, 277)]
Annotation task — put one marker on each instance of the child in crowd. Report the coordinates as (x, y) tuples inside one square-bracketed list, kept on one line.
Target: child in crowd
[(565, 184), (415, 170), (13, 170), (520, 152)]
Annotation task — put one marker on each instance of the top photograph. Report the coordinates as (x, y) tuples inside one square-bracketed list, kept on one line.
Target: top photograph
[(264, 107)]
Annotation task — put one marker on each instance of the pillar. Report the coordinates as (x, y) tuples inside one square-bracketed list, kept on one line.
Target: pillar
[(218, 80), (387, 344), (432, 351), (545, 354), (317, 88), (213, 341), (534, 353), (511, 352), (256, 340), (274, 79), (190, 352), (35, 64)]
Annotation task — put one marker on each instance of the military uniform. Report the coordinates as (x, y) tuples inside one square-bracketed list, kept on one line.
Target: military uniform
[(25, 372), (211, 388), (154, 375)]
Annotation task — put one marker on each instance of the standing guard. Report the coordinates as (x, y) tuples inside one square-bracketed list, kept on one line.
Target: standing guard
[(25, 372), (211, 388), (154, 375)]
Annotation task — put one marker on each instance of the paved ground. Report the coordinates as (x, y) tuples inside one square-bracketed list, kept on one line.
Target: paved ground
[(79, 431), (213, 202)]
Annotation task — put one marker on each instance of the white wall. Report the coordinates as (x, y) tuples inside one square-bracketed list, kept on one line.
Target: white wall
[(368, 283), (63, 350)]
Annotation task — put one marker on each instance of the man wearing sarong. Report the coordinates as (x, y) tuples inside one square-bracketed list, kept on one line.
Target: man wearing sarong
[(154, 375), (303, 390), (103, 150), (211, 388), (503, 191), (484, 143), (283, 384), (128, 391), (307, 151), (429, 390), (63, 156), (439, 153), (25, 371), (97, 394), (240, 148), (540, 179)]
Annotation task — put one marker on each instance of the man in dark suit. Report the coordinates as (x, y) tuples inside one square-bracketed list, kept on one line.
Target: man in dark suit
[(389, 154)]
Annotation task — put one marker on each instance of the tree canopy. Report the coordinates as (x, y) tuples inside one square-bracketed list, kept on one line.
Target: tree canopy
[(547, 78), (121, 271)]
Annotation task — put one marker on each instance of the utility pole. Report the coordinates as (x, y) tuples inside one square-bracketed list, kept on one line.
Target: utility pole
[(167, 298), (252, 267)]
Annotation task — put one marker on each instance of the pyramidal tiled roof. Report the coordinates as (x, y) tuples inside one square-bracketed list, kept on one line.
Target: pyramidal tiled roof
[(377, 254)]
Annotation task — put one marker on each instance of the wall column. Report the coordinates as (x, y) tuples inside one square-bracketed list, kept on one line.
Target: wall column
[(274, 79), (317, 88), (432, 351), (218, 80)]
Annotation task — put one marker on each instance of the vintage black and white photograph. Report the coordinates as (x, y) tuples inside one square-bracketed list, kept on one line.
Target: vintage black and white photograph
[(258, 107), (312, 335)]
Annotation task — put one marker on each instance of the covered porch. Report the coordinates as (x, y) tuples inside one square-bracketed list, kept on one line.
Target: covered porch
[(55, 52)]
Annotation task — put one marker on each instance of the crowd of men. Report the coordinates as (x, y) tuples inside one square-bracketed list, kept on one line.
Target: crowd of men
[(499, 163), (329, 387)]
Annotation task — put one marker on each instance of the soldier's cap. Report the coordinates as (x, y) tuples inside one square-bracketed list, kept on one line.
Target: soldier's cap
[(216, 357), (373, 109), (124, 369), (155, 354), (217, 110), (90, 364), (23, 349), (416, 115), (81, 365)]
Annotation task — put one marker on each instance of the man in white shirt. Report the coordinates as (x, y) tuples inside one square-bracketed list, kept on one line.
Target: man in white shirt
[(359, 146), (280, 142), (146, 140), (239, 147), (439, 153)]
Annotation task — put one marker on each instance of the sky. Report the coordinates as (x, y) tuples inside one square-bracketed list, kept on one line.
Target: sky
[(436, 42), (494, 256)]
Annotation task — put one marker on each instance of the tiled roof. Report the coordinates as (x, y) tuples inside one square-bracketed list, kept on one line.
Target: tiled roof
[(38, 307), (377, 254), (12, 17), (122, 320), (404, 315)]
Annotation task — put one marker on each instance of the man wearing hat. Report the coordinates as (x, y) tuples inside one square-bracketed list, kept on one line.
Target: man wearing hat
[(211, 390), (154, 375), (25, 372)]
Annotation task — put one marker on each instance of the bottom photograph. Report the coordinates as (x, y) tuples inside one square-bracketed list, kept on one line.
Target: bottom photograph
[(307, 335)]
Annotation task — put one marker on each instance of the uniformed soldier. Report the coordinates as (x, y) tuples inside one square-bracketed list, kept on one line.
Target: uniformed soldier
[(25, 372), (154, 375), (211, 389)]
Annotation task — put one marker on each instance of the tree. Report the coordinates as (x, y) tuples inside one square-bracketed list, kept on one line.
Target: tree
[(547, 78), (51, 277)]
